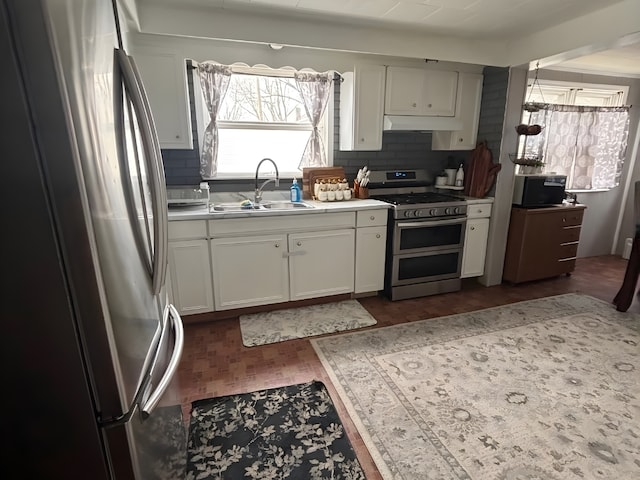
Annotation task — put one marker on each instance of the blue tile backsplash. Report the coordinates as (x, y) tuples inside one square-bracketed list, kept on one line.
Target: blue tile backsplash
[(400, 150)]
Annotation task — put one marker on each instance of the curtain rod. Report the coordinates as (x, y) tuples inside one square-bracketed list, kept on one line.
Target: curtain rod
[(193, 65)]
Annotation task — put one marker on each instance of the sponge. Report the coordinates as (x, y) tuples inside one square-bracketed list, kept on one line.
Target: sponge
[(246, 204)]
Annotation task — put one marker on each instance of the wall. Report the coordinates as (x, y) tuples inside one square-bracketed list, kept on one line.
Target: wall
[(603, 208), (400, 150)]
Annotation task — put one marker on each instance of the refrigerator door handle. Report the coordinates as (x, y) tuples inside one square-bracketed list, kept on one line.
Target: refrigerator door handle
[(172, 366), (158, 168), (154, 158)]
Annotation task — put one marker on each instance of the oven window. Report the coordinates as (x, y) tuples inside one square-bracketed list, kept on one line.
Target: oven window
[(430, 236), (423, 267)]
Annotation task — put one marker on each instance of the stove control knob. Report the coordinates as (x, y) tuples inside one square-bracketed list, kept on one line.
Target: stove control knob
[(418, 213), (456, 210), (433, 212), (447, 211), (407, 213)]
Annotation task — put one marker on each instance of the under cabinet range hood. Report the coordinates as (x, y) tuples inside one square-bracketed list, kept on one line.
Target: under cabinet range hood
[(410, 123)]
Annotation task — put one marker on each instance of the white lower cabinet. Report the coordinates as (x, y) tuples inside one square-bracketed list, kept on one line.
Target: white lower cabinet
[(370, 253), (190, 276), (236, 263), (475, 240), (250, 271), (321, 263), (371, 242)]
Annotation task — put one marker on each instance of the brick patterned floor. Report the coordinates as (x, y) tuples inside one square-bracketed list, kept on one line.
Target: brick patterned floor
[(215, 362)]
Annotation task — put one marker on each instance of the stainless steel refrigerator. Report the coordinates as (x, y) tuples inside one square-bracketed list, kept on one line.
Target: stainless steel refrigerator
[(91, 344)]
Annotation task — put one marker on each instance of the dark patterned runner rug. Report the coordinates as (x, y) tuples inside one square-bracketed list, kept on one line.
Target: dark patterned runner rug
[(291, 432)]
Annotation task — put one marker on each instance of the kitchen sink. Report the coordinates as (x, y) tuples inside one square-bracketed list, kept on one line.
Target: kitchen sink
[(263, 207), (234, 207), (286, 205)]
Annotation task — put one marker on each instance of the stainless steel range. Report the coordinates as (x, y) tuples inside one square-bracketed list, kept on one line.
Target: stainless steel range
[(425, 234)]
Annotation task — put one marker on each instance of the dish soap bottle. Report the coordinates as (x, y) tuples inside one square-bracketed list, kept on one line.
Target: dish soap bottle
[(295, 191), (460, 177)]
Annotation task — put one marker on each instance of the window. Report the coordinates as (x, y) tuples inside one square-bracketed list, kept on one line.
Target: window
[(584, 135), (263, 115)]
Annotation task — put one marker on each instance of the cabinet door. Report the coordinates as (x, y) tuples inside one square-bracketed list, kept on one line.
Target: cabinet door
[(439, 97), (190, 277), (467, 111), (475, 247), (404, 90), (370, 254), (164, 74), (361, 108), (321, 263), (249, 271), (415, 91)]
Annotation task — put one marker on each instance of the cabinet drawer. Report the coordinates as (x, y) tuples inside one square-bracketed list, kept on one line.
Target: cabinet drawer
[(568, 250), (282, 223), (569, 234), (479, 210), (187, 229), (566, 265), (573, 217), (371, 218)]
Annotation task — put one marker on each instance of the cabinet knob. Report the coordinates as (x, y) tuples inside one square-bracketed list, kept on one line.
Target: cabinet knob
[(461, 139), (299, 244), (472, 228), (362, 140), (414, 105), (277, 245), (177, 136), (430, 105), (377, 235), (372, 218)]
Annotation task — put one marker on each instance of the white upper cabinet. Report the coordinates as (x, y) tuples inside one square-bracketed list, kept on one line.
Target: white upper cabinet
[(416, 91), (361, 108), (164, 74), (467, 111)]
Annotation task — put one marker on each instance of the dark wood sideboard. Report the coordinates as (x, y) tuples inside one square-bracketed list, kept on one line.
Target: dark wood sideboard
[(542, 242)]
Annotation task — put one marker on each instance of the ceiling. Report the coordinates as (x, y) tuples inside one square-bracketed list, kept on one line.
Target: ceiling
[(504, 21)]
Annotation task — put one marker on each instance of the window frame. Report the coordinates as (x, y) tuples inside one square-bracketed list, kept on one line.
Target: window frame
[(261, 70), (571, 92)]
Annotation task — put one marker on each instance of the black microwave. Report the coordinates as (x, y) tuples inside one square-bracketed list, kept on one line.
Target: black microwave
[(530, 191)]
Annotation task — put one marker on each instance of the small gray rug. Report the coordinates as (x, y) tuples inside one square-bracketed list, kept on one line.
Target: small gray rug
[(287, 324), (546, 389)]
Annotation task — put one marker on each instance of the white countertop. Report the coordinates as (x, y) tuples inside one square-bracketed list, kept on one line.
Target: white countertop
[(201, 212)]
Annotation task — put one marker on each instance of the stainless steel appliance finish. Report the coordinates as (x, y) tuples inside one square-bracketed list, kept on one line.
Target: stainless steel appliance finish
[(92, 340), (426, 234)]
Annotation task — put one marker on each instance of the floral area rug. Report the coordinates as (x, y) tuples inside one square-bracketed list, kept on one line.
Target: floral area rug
[(546, 389), (292, 432), (287, 324)]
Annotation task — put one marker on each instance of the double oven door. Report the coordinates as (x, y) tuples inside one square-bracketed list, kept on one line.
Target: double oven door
[(426, 250)]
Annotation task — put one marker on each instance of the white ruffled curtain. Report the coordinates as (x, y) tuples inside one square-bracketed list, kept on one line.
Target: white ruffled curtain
[(315, 90), (214, 79), (587, 144)]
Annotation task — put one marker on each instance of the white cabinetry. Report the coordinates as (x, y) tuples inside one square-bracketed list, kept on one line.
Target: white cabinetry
[(321, 263), (416, 91), (371, 241), (361, 108), (164, 75), (467, 111), (475, 240), (189, 266), (249, 271), (258, 261)]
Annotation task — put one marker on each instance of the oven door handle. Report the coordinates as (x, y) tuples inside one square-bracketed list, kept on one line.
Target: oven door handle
[(431, 223)]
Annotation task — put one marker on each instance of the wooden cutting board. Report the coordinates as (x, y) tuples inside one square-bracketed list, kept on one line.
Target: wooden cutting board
[(310, 174)]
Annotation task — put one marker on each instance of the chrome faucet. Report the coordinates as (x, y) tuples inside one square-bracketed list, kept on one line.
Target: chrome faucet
[(258, 196)]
